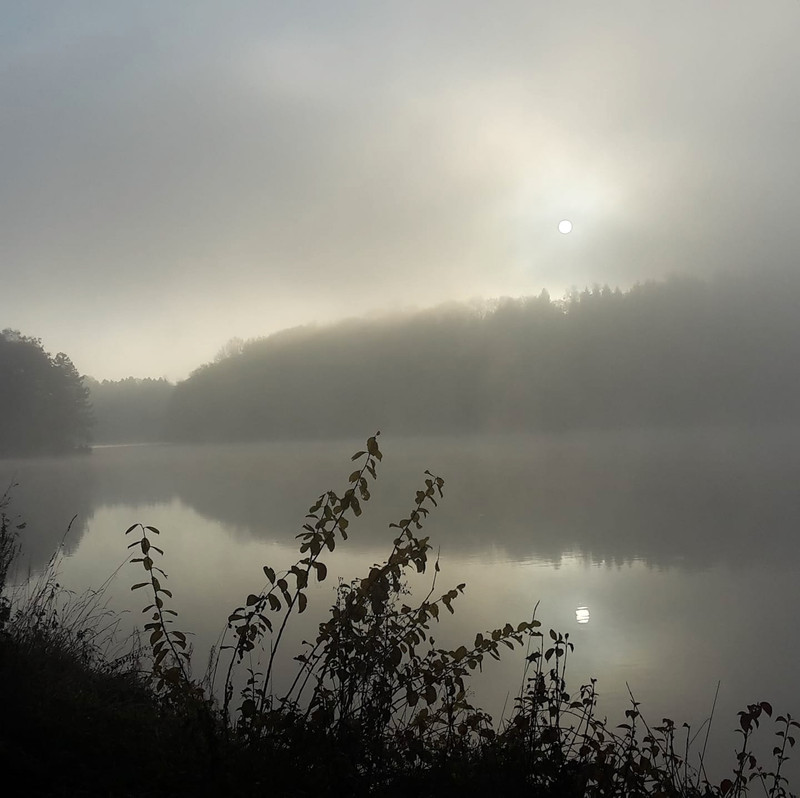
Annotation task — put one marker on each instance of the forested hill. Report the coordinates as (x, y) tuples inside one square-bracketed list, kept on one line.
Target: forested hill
[(683, 351), (44, 405)]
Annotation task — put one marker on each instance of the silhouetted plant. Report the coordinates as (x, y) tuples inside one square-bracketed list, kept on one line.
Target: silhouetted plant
[(8, 550), (171, 652), (375, 707)]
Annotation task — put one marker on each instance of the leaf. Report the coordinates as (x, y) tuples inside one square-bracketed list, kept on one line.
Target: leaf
[(145, 544), (153, 530), (284, 588), (744, 721), (322, 571), (140, 584), (302, 601), (301, 576), (252, 599), (355, 476), (372, 448), (354, 457), (131, 528)]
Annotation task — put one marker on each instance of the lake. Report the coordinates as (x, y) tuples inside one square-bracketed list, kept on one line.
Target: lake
[(670, 557)]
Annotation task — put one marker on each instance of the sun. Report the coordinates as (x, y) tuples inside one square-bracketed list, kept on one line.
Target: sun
[(565, 226)]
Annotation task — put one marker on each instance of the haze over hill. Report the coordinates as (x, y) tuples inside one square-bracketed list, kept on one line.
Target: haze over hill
[(679, 352), (549, 249), (178, 174)]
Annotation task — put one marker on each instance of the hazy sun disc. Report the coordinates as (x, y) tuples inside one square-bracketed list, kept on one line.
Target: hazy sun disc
[(565, 226)]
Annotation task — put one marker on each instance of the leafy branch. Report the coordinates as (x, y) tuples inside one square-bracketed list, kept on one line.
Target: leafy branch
[(164, 641)]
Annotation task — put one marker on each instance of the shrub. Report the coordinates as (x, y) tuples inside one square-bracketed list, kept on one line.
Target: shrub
[(376, 707)]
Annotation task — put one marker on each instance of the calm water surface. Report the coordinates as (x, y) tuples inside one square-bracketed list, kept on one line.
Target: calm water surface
[(682, 548)]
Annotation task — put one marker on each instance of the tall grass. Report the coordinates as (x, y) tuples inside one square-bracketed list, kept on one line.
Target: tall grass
[(79, 715)]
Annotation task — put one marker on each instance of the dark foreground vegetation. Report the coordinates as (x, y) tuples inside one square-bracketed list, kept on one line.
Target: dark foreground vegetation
[(374, 708)]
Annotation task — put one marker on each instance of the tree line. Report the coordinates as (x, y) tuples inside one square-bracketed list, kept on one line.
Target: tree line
[(44, 404), (131, 410), (678, 352), (682, 351)]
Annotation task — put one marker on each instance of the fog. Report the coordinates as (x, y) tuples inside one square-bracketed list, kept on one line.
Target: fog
[(690, 499), (237, 240), (175, 176)]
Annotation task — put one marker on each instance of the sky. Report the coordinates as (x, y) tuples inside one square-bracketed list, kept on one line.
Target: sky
[(175, 173)]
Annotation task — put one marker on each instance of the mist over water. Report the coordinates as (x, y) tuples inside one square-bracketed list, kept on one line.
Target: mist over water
[(363, 201), (681, 545)]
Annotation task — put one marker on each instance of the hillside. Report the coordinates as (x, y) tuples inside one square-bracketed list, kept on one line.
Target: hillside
[(678, 352)]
